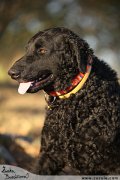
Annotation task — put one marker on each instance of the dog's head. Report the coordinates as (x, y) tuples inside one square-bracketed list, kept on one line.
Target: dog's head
[(53, 58)]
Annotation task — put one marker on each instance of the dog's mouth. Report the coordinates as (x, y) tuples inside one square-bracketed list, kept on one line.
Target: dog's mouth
[(35, 85)]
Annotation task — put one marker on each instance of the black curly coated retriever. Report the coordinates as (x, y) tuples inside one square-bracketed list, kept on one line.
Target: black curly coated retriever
[(81, 134)]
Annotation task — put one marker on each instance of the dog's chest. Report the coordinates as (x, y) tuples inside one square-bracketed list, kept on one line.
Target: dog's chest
[(61, 120)]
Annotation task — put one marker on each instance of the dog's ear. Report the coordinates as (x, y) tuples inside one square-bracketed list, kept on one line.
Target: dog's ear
[(81, 52)]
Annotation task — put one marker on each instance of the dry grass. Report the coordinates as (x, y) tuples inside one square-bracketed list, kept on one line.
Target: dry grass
[(22, 115)]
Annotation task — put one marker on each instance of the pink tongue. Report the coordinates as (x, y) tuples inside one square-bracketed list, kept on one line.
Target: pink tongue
[(23, 87)]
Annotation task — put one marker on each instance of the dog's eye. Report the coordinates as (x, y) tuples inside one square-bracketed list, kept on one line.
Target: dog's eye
[(42, 50)]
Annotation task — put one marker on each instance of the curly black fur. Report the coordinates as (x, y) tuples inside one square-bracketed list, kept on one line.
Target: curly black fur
[(81, 134)]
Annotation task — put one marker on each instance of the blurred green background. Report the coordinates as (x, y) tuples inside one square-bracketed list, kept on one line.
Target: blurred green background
[(97, 21)]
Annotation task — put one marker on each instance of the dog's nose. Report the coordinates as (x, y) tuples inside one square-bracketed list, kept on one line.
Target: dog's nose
[(14, 73)]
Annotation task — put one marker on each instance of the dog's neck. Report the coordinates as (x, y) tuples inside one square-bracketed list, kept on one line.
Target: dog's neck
[(76, 84)]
